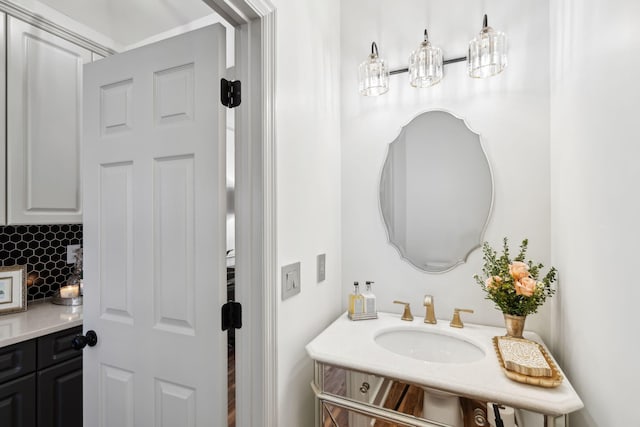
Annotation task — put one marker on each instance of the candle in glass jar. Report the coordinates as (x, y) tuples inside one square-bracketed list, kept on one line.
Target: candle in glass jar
[(69, 291)]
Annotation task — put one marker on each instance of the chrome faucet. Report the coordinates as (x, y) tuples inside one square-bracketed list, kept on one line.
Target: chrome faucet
[(430, 315)]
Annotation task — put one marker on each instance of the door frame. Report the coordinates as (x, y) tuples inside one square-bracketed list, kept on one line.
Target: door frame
[(255, 216), (255, 201)]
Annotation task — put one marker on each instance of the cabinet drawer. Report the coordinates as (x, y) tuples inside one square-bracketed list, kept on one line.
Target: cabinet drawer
[(18, 402), (56, 348), (17, 360)]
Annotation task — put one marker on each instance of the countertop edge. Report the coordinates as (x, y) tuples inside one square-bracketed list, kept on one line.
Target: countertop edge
[(41, 318)]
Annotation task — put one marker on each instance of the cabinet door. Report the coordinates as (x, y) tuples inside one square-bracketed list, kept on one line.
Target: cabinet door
[(18, 402), (3, 127), (44, 107), (60, 395)]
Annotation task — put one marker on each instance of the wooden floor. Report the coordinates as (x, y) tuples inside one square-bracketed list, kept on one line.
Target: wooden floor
[(404, 398), (231, 381), (231, 353)]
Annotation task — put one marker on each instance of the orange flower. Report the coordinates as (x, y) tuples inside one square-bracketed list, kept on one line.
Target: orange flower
[(493, 282), (525, 286), (518, 270)]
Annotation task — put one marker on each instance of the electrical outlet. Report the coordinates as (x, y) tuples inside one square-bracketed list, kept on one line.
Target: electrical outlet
[(71, 253), (290, 280), (322, 265)]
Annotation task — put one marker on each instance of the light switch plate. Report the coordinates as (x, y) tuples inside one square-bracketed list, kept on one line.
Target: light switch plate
[(322, 267), (71, 253), (290, 280)]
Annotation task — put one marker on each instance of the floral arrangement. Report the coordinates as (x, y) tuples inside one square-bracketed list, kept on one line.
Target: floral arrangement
[(513, 285)]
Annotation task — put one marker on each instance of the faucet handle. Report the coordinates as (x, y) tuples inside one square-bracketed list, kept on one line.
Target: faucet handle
[(456, 322), (430, 315), (406, 315)]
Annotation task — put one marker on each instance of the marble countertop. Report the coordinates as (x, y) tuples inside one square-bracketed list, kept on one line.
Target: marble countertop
[(41, 318), (351, 344)]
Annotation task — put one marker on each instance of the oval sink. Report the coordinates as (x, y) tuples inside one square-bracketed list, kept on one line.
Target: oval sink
[(429, 346)]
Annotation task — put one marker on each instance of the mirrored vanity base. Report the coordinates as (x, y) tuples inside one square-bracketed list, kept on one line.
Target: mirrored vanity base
[(349, 398)]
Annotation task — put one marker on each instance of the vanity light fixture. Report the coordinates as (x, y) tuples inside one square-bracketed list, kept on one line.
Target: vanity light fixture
[(487, 52), (487, 57), (425, 64), (373, 74)]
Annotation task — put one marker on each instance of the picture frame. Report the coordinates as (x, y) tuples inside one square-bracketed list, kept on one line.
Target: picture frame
[(13, 289)]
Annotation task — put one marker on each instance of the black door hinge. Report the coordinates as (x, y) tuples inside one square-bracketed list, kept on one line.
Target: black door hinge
[(231, 315), (230, 93)]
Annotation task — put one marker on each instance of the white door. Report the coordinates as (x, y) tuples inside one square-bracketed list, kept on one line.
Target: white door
[(154, 235)]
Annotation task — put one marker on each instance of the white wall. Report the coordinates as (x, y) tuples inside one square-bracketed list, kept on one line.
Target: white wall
[(510, 111), (308, 188), (595, 105)]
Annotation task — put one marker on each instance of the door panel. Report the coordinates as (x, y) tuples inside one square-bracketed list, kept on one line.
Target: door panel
[(116, 242), (173, 95), (175, 405), (173, 214), (155, 234), (116, 405)]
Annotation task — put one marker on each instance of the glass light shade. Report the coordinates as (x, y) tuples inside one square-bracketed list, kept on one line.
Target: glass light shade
[(487, 53), (373, 76), (425, 65)]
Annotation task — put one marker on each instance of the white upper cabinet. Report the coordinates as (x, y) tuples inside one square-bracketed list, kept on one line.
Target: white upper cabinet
[(44, 120), (3, 123)]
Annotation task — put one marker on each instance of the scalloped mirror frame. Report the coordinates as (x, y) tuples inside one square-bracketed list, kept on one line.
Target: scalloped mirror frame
[(436, 191)]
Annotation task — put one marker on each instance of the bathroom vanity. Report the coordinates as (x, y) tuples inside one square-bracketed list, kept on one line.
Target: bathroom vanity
[(40, 372), (387, 372)]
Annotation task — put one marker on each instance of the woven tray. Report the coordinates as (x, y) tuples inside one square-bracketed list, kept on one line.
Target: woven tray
[(549, 382)]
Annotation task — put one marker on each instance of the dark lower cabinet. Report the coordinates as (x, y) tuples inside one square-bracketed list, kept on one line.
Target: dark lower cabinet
[(18, 402), (48, 389), (60, 395)]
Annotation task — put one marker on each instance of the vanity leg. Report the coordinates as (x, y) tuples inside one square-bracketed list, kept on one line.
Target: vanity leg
[(556, 421), (318, 408)]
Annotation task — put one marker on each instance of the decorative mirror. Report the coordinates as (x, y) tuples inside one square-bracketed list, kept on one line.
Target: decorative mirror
[(436, 192)]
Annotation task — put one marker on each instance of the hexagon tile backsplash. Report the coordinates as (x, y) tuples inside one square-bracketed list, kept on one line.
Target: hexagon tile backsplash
[(43, 248)]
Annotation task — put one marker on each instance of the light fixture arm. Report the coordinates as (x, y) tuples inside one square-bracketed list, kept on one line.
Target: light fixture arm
[(445, 62), (374, 50)]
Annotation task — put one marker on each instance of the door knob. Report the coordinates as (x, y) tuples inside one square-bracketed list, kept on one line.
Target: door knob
[(81, 341)]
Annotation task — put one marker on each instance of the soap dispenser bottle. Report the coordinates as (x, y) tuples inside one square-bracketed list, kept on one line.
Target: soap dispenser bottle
[(356, 303), (369, 301)]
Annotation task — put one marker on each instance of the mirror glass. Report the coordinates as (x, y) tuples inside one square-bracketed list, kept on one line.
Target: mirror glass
[(436, 191)]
